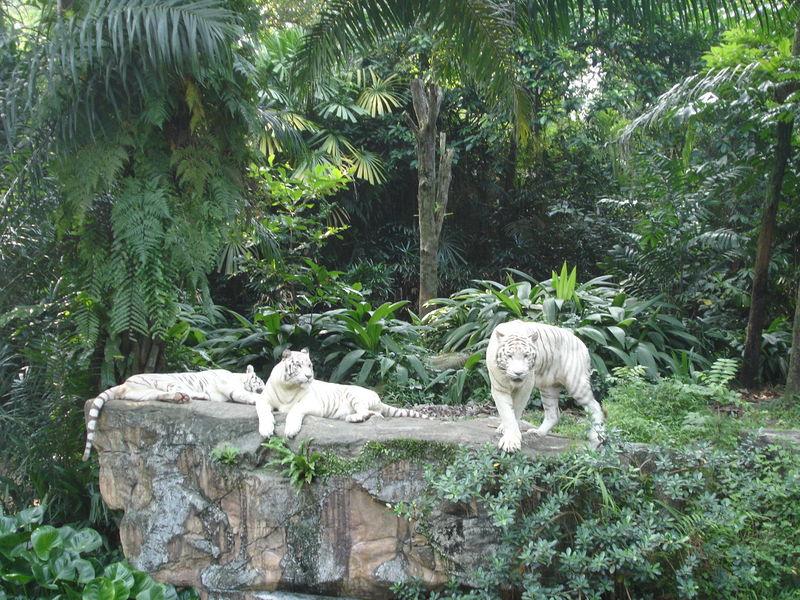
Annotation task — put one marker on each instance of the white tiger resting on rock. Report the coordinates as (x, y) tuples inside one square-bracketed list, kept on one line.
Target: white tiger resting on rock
[(216, 385), (292, 389), (521, 356)]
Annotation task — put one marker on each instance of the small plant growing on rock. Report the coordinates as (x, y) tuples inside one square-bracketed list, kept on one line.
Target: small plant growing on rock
[(227, 455), (300, 467)]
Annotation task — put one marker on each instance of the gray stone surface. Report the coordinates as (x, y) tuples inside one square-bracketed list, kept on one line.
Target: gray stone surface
[(244, 532)]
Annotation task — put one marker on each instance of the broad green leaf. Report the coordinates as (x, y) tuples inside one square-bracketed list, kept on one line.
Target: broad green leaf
[(84, 540), (593, 333), (156, 592), (85, 570), (473, 360), (30, 516), (619, 334), (346, 364), (645, 355), (11, 541), (550, 310), (8, 525), (18, 578), (63, 567), (510, 303), (100, 588), (122, 578), (44, 539)]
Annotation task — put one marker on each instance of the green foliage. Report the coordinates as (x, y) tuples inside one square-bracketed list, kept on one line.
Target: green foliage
[(226, 455), (696, 523), (615, 327), (376, 454), (370, 342), (315, 134), (300, 467), (42, 561), (673, 411)]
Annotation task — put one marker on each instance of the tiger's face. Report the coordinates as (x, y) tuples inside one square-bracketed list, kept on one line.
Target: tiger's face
[(252, 382), (516, 355), (297, 367)]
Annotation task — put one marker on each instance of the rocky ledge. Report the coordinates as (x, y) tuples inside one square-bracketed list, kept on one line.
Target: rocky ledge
[(242, 531)]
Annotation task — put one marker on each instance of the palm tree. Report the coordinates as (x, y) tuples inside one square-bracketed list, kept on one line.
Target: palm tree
[(480, 32)]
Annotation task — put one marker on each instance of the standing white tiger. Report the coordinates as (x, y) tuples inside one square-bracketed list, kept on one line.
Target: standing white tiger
[(216, 385), (292, 389), (521, 356)]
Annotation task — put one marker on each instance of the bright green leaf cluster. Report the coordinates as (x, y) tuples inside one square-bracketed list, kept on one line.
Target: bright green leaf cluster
[(42, 561)]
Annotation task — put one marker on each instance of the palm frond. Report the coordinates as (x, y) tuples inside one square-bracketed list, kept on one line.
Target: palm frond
[(682, 95), (379, 96), (366, 165), (114, 53)]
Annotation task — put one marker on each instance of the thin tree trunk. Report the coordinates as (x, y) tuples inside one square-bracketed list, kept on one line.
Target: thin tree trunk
[(766, 235), (793, 377), (433, 184), (758, 294)]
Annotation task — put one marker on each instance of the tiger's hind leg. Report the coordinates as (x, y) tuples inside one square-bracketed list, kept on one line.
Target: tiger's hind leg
[(551, 411), (138, 394), (361, 411), (585, 398)]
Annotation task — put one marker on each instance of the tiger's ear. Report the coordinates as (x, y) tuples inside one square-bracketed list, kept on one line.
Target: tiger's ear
[(304, 350), (249, 370), (500, 335), (286, 354), (534, 335)]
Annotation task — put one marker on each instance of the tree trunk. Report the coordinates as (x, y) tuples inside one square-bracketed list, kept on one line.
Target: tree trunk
[(793, 377), (758, 294), (433, 184), (766, 235)]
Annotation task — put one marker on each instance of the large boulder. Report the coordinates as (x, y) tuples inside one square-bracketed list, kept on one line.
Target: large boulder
[(243, 531)]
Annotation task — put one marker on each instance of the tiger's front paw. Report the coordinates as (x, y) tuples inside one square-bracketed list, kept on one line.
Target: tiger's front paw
[(510, 442), (266, 430), (180, 398), (291, 430)]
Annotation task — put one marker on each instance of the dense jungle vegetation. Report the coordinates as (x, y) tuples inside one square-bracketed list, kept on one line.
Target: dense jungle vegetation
[(203, 183)]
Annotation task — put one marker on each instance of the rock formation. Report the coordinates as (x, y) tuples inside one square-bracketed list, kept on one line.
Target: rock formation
[(243, 531)]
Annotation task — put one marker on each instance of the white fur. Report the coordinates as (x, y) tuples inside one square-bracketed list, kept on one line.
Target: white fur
[(544, 357), (292, 389), (216, 385)]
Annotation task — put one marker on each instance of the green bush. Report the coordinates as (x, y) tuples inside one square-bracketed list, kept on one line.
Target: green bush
[(42, 561), (697, 523), (617, 329), (674, 411)]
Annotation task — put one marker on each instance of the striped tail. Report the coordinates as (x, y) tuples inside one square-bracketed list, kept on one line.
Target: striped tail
[(91, 423), (391, 411)]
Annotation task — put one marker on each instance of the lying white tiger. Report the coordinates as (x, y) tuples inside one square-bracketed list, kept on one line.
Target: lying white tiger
[(521, 356), (292, 389), (216, 385)]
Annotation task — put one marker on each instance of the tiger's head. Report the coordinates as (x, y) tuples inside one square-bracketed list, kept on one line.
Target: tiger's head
[(516, 352), (252, 382), (297, 367)]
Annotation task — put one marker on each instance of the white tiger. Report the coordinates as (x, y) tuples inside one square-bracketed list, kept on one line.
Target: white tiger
[(521, 356), (216, 385), (292, 389)]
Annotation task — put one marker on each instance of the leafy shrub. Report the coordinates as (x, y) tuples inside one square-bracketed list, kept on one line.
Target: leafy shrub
[(698, 523), (672, 410), (617, 329), (42, 561)]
